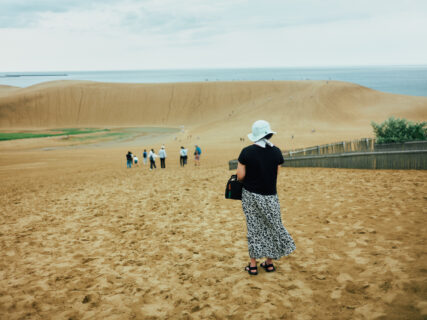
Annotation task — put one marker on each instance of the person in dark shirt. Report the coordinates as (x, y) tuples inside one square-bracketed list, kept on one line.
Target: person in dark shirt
[(144, 156), (258, 166), (129, 159)]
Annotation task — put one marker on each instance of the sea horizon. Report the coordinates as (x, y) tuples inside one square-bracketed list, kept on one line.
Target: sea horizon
[(398, 79)]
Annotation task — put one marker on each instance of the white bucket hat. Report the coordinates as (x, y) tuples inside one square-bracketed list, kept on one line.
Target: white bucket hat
[(260, 129)]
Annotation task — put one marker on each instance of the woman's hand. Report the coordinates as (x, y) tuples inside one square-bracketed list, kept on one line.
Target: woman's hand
[(241, 171)]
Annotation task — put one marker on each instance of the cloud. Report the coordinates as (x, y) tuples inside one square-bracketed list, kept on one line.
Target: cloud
[(26, 13), (202, 17), (114, 34), (175, 22)]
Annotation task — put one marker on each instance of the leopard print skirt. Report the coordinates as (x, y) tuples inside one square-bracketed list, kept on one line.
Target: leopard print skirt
[(267, 237)]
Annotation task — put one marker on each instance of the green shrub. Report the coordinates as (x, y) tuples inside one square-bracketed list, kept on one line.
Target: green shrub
[(399, 130)]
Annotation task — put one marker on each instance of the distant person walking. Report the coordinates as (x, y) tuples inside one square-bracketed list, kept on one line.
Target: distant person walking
[(144, 156), (135, 161), (162, 156), (183, 156), (129, 159), (197, 153), (258, 166), (152, 156)]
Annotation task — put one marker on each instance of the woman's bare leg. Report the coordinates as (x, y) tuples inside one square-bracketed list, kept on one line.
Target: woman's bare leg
[(253, 262)]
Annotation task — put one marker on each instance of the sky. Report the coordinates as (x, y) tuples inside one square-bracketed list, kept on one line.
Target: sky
[(71, 35)]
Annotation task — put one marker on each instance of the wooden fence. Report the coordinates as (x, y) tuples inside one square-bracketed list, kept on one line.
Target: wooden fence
[(415, 159), (362, 145), (405, 146), (408, 155)]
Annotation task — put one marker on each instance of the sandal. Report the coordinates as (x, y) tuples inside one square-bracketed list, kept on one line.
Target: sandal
[(267, 267), (253, 271)]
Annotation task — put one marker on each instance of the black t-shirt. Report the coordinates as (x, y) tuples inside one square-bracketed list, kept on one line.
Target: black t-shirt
[(261, 168)]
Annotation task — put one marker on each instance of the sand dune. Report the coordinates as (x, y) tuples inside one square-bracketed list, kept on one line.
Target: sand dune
[(82, 237), (212, 110), (4, 89)]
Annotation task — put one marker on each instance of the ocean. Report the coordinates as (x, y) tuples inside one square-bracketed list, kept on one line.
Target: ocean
[(408, 80)]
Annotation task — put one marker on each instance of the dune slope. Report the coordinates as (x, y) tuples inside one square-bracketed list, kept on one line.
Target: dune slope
[(209, 108)]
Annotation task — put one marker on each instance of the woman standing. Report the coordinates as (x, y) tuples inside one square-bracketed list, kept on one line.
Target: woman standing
[(257, 168)]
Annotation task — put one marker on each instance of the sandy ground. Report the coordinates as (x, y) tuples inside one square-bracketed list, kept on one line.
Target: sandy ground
[(82, 237)]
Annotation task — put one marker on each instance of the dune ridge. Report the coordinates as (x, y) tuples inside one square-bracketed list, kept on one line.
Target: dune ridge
[(82, 103), (304, 113)]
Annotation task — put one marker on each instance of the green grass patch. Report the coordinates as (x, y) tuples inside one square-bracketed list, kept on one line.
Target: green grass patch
[(108, 135), (90, 133), (50, 133), (21, 135)]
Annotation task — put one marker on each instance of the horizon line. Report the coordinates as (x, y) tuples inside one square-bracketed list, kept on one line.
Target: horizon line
[(220, 68)]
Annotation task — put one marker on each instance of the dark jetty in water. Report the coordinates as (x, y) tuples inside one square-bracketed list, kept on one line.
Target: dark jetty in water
[(16, 75)]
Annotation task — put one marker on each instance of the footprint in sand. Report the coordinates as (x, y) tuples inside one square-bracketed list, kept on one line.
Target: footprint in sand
[(343, 277), (336, 294), (355, 255)]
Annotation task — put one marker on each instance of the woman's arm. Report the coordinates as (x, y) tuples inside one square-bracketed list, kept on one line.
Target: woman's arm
[(241, 171)]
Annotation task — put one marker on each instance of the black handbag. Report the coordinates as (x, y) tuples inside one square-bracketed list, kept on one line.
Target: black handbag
[(233, 190)]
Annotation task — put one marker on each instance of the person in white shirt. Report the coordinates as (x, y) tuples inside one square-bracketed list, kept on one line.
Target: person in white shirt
[(135, 160), (152, 156), (183, 157), (162, 156)]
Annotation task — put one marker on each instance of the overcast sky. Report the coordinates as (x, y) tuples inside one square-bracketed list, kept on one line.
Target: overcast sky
[(48, 35)]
